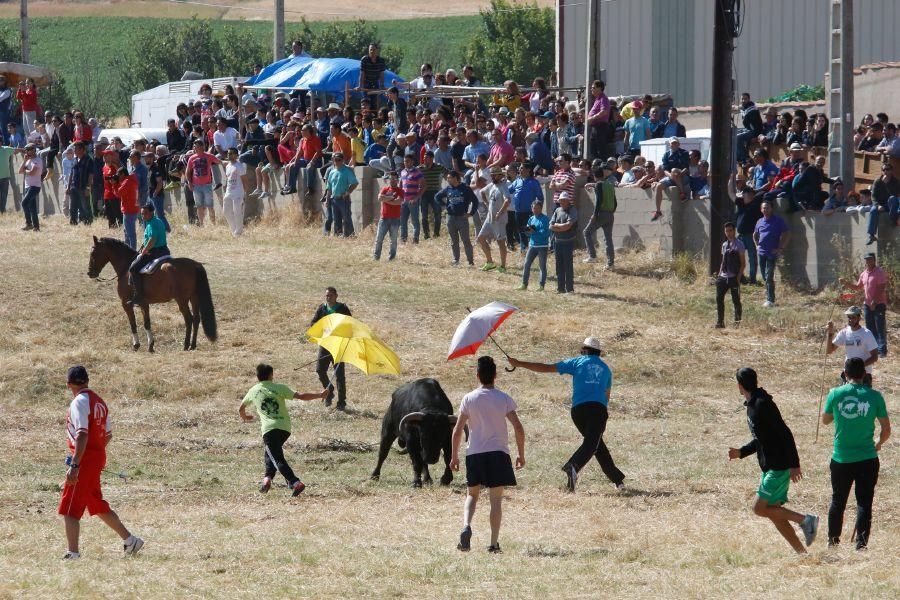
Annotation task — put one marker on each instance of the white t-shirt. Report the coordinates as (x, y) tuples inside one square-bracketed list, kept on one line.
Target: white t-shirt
[(227, 139), (233, 184), (486, 409), (857, 344), (34, 180)]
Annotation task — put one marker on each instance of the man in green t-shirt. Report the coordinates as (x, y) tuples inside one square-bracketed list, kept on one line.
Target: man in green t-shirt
[(269, 399), (854, 408)]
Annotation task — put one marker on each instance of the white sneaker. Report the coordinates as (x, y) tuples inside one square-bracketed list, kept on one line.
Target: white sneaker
[(71, 555), (255, 192), (768, 304), (135, 545), (620, 487), (589, 259), (810, 526)]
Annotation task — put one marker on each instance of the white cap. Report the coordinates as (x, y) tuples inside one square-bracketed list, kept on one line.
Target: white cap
[(796, 146), (592, 342)]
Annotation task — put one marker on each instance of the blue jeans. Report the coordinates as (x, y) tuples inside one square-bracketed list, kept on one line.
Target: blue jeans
[(294, 173), (29, 206), (409, 210), (386, 226), (159, 207), (79, 208), (747, 240), (327, 215), (4, 193), (894, 210), (521, 219), (343, 220), (767, 270), (430, 206), (876, 322), (565, 265), (541, 255), (744, 137), (130, 220)]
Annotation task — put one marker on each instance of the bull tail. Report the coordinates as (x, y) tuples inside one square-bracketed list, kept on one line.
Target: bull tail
[(205, 302)]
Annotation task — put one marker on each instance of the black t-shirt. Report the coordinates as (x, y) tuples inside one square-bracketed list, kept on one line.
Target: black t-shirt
[(372, 70), (747, 215), (155, 176), (458, 149)]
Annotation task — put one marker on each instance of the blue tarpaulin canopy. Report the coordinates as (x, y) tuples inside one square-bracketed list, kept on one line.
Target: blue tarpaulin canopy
[(329, 75)]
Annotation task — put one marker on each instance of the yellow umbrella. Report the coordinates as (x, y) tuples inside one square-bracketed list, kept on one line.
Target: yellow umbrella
[(352, 341)]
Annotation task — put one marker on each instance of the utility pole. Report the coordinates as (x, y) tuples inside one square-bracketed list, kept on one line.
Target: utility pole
[(721, 147), (840, 105), (590, 72), (278, 44), (23, 23)]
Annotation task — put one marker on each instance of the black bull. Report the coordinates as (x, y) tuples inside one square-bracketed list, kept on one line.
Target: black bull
[(421, 419)]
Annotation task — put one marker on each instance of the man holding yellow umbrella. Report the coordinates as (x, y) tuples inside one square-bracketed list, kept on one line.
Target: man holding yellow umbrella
[(330, 307), (345, 339)]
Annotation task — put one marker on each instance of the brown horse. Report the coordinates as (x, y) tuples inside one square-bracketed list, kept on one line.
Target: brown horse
[(181, 279)]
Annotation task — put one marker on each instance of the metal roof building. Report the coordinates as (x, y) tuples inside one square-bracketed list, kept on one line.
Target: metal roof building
[(665, 46)]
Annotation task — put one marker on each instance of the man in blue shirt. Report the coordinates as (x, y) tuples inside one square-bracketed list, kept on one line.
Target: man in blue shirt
[(637, 130), (591, 385), (539, 154), (461, 203), (764, 171), (340, 181), (770, 235), (524, 190)]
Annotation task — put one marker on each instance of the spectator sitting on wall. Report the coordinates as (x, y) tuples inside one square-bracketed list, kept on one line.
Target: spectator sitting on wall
[(872, 138), (753, 127), (796, 133), (770, 124), (890, 145), (763, 174), (837, 200), (885, 198)]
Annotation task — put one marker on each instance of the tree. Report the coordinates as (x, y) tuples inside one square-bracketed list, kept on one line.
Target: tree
[(240, 50), (515, 41), (344, 40)]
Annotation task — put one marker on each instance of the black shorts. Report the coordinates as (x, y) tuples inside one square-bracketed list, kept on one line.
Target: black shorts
[(489, 469)]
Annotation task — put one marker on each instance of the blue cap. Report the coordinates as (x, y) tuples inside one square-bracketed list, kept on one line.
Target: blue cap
[(548, 115)]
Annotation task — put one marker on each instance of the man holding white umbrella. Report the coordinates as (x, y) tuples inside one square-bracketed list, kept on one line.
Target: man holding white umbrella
[(591, 385)]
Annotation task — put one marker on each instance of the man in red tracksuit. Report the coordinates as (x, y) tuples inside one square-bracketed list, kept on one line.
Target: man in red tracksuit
[(88, 431)]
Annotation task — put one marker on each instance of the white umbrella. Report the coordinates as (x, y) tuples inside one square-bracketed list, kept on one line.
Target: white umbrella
[(477, 327)]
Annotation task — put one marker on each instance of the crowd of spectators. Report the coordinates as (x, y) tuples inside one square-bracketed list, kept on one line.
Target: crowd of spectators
[(440, 149)]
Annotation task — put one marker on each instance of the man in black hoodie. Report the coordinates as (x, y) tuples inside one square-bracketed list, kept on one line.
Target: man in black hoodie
[(774, 446)]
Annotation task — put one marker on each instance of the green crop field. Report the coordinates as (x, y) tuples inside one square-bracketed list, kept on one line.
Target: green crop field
[(70, 44)]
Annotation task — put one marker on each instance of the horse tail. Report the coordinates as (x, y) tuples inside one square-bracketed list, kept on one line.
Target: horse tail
[(207, 310)]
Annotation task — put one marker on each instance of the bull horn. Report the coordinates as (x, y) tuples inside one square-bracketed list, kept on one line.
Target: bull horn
[(451, 419), (413, 417)]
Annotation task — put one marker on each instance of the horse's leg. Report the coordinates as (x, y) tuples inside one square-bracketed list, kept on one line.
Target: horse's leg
[(195, 314), (186, 313), (145, 308), (129, 310)]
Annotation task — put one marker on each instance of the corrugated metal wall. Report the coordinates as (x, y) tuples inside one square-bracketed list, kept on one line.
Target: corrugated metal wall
[(665, 46)]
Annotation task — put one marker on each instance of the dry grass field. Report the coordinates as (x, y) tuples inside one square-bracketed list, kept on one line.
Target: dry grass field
[(683, 530)]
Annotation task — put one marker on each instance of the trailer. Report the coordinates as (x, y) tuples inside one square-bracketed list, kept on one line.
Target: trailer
[(152, 108)]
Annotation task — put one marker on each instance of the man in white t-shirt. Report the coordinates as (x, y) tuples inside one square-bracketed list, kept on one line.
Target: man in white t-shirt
[(485, 411), (858, 342), (235, 184), (224, 137), (32, 168)]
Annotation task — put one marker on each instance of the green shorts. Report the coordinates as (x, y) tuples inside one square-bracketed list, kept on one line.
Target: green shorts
[(773, 486)]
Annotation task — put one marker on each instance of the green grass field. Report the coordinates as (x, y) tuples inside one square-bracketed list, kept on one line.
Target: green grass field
[(64, 44), (684, 530)]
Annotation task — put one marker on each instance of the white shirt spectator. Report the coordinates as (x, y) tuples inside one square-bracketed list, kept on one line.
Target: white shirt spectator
[(486, 409), (857, 344), (225, 140), (233, 184)]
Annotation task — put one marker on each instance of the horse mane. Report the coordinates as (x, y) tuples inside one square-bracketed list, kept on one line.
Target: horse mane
[(118, 244)]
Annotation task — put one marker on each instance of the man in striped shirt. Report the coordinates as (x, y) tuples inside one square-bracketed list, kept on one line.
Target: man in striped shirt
[(433, 175), (412, 182), (564, 178)]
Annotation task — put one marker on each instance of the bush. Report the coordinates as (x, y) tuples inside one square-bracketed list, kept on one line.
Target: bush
[(516, 41), (684, 267)]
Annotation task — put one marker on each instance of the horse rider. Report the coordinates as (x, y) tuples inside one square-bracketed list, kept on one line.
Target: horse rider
[(153, 247)]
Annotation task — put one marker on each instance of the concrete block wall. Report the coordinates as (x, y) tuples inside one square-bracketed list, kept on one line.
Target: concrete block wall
[(811, 260)]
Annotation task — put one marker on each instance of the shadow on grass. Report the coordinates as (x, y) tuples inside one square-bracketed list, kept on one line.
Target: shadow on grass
[(635, 493)]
